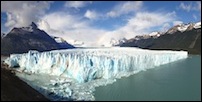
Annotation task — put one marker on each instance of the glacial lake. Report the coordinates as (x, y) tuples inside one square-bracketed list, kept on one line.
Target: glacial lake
[(177, 81)]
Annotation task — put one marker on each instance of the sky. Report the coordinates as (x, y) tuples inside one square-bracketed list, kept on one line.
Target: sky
[(96, 23)]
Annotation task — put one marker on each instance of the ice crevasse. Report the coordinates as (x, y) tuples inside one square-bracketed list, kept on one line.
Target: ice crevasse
[(85, 65)]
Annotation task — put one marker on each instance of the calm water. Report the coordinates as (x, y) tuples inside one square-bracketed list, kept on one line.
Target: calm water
[(180, 80)]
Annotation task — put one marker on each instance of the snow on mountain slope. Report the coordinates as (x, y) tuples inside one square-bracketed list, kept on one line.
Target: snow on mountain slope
[(197, 25), (156, 34), (89, 64), (62, 43), (153, 33), (114, 42), (59, 40), (182, 28)]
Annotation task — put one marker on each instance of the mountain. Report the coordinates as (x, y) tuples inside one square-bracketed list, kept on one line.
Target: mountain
[(76, 43), (21, 40), (114, 42), (180, 37), (62, 43), (3, 35)]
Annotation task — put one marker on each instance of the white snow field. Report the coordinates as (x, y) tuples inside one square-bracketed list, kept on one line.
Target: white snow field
[(74, 73)]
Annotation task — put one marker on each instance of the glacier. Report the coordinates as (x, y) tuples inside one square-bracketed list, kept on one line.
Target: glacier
[(85, 65), (73, 74)]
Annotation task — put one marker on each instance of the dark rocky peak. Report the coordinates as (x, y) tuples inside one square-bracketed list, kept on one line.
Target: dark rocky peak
[(15, 30), (33, 25), (3, 35), (31, 28), (191, 26), (173, 29)]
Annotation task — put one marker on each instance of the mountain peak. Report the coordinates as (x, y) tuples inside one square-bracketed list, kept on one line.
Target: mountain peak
[(31, 38), (33, 25)]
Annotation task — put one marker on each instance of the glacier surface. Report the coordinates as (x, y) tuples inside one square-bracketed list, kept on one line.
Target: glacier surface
[(84, 65)]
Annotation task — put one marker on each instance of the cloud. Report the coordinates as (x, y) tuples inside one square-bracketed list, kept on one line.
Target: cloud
[(91, 14), (165, 27), (63, 20), (141, 23), (70, 28), (75, 27), (125, 8), (76, 4), (185, 7), (22, 13), (177, 23), (191, 6), (44, 25)]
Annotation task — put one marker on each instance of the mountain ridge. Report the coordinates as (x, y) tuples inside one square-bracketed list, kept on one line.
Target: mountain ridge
[(188, 39)]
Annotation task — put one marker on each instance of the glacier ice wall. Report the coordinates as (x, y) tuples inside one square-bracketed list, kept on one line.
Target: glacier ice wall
[(85, 65)]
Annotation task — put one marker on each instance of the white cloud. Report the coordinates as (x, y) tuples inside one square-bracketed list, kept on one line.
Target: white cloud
[(76, 4), (185, 7), (43, 24), (177, 23), (191, 6), (91, 14), (74, 27), (165, 27), (22, 13), (70, 28), (125, 8), (62, 20), (141, 23)]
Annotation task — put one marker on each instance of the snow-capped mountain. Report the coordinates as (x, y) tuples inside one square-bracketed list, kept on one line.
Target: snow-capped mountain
[(180, 37), (114, 42), (184, 27), (20, 40), (76, 43), (155, 34), (197, 25), (181, 28)]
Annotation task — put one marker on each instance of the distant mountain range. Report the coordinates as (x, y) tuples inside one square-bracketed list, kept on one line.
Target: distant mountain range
[(21, 40), (180, 37)]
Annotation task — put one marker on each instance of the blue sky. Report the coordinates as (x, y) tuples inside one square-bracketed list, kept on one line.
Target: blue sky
[(94, 22)]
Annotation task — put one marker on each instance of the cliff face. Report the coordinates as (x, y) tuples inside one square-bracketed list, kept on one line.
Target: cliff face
[(189, 40), (21, 40)]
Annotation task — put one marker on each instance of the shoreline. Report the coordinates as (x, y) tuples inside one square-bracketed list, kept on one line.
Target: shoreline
[(14, 89)]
